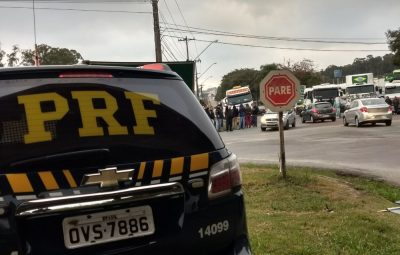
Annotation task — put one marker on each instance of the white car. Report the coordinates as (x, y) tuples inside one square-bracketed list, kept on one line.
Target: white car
[(270, 120)]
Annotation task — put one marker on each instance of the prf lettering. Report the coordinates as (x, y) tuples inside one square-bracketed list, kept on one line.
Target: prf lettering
[(36, 118)]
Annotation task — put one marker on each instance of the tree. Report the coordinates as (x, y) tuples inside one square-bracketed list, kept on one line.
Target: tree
[(393, 39), (304, 71), (13, 56), (51, 56)]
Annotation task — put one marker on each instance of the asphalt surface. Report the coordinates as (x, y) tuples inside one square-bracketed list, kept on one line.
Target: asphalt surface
[(368, 150)]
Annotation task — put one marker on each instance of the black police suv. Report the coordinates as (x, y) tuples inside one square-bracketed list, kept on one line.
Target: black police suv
[(113, 160)]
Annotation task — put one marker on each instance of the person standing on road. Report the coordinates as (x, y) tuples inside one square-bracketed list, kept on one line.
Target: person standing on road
[(235, 120), (388, 101), (336, 104), (254, 114), (219, 117), (242, 114), (248, 116), (396, 103), (208, 112), (228, 118)]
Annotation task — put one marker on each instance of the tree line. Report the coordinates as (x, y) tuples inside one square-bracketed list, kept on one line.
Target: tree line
[(46, 54), (306, 72)]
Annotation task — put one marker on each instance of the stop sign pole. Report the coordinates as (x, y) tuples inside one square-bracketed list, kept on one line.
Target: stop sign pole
[(279, 91)]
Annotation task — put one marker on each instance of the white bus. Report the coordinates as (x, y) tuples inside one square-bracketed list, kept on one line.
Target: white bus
[(238, 95), (392, 89), (324, 92)]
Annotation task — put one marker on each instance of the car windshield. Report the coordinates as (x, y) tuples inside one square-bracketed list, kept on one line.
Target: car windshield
[(239, 99), (392, 89), (360, 89), (326, 93), (373, 101)]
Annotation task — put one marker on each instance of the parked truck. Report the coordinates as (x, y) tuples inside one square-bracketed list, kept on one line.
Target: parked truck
[(362, 86)]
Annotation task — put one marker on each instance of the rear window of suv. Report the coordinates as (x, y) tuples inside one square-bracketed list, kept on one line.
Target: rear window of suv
[(323, 105), (130, 119)]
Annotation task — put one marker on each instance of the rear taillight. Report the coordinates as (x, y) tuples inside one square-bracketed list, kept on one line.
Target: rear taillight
[(224, 176), (85, 75), (364, 109), (156, 66), (314, 110), (390, 109), (333, 110)]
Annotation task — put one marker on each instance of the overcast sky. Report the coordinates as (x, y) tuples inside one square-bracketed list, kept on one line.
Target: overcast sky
[(128, 36)]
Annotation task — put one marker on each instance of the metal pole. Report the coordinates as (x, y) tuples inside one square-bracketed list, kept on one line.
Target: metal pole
[(157, 38), (187, 46), (282, 157), (197, 80), (34, 32), (187, 49)]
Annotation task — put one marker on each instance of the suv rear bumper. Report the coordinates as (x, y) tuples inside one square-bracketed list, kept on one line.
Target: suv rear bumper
[(199, 233), (325, 116)]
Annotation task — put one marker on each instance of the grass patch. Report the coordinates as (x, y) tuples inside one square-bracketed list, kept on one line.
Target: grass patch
[(319, 212)]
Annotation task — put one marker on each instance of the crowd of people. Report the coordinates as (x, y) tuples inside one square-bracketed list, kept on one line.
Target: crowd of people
[(232, 117)]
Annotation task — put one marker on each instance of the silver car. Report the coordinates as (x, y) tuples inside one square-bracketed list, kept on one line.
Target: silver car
[(368, 110), (270, 120)]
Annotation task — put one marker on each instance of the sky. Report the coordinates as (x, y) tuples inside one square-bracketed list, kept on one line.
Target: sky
[(122, 30)]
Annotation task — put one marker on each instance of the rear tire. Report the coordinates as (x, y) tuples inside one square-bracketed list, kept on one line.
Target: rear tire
[(263, 129), (333, 119), (357, 122), (388, 123), (286, 125), (345, 123)]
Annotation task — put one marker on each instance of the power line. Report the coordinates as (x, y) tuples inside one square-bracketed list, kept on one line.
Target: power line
[(285, 37), (172, 16), (221, 33), (80, 1), (173, 32), (168, 49), (73, 9), (289, 48), (165, 56), (184, 20), (165, 52)]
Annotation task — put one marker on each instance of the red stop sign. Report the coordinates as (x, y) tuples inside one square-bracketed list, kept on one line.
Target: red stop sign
[(279, 90)]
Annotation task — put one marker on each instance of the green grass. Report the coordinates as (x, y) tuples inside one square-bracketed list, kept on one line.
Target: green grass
[(319, 212)]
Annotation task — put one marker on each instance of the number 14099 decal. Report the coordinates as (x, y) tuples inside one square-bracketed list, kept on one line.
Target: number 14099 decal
[(214, 229)]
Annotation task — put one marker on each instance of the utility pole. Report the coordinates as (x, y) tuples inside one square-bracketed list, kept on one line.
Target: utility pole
[(157, 38), (187, 46)]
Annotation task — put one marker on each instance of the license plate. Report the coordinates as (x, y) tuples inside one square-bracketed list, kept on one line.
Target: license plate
[(96, 228)]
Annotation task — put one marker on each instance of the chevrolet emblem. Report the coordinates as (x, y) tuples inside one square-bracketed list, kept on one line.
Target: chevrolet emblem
[(108, 177)]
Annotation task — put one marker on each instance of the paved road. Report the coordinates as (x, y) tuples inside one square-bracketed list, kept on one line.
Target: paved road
[(369, 150)]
